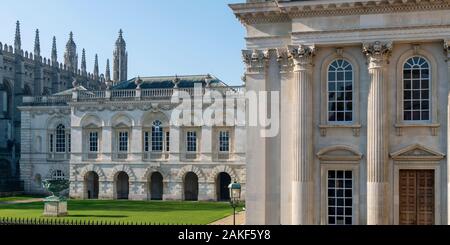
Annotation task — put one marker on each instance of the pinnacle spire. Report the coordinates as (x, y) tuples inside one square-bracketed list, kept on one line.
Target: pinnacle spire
[(108, 72), (96, 66), (120, 41), (83, 61), (70, 55), (17, 41), (54, 52), (37, 45)]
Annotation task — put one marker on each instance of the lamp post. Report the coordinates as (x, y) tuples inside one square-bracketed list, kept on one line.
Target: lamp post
[(235, 196)]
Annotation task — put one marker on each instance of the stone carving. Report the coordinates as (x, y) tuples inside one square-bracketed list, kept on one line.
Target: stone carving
[(377, 52), (255, 60), (284, 60), (302, 55)]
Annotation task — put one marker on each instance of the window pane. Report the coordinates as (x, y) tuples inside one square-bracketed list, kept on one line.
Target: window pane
[(425, 115), (331, 86), (407, 74), (331, 76), (407, 94), (407, 84)]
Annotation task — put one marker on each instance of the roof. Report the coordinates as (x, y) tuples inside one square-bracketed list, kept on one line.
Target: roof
[(69, 91), (167, 82)]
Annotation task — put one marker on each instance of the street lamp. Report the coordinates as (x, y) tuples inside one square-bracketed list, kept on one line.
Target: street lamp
[(235, 196)]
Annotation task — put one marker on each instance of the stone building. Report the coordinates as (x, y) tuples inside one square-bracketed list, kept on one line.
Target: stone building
[(24, 73), (123, 143), (364, 111)]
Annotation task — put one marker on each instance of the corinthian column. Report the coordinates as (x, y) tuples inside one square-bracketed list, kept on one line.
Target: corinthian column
[(301, 135), (377, 132)]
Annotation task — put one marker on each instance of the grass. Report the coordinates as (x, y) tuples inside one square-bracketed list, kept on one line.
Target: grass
[(167, 212), (18, 198)]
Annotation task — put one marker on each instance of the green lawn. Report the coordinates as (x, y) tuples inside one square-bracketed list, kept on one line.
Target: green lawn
[(18, 198), (167, 212)]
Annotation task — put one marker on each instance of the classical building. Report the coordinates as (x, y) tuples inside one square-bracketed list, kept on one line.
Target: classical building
[(130, 142), (24, 73), (364, 111)]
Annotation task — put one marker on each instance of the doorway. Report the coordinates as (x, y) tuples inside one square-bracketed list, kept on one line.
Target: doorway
[(417, 197)]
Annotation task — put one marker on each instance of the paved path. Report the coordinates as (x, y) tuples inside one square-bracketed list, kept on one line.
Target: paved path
[(23, 201), (240, 220)]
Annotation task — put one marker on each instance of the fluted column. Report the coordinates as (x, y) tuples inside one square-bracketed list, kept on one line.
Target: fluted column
[(377, 132), (302, 155)]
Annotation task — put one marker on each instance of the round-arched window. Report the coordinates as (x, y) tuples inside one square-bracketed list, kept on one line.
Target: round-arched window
[(340, 91), (416, 89)]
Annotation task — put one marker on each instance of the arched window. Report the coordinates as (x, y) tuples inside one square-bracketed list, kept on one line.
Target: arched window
[(416, 89), (340, 91), (60, 138), (157, 136), (58, 175)]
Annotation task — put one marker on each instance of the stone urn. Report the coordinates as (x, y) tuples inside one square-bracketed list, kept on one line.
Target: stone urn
[(56, 204)]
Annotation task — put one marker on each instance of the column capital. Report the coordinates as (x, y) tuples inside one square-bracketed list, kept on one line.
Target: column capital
[(284, 60), (255, 60), (302, 56), (377, 53)]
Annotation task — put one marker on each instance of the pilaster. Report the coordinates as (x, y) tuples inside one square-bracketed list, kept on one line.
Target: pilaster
[(256, 200), (447, 54), (286, 67)]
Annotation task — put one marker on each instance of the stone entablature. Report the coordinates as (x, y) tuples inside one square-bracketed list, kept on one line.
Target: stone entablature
[(284, 11)]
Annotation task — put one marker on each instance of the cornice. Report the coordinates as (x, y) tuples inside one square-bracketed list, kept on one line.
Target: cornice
[(286, 11)]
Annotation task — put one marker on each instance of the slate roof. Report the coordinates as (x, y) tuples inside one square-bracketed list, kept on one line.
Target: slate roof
[(167, 82)]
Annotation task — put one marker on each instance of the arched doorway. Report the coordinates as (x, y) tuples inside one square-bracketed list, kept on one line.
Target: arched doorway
[(122, 186), (191, 187), (156, 186), (222, 182), (91, 185)]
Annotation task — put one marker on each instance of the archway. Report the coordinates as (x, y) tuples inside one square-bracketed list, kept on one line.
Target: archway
[(156, 186), (191, 187), (122, 185), (222, 182), (91, 185)]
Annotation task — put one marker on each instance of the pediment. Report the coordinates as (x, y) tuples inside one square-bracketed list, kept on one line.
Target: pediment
[(417, 152), (339, 153)]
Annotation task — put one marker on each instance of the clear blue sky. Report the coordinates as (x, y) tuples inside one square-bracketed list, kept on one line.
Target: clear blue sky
[(163, 37)]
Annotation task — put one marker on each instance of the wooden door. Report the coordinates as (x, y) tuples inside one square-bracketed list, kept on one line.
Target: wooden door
[(416, 189)]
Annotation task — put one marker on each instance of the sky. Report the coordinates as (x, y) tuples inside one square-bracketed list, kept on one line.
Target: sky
[(163, 37)]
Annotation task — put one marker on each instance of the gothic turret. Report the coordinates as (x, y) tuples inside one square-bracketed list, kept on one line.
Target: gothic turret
[(17, 41), (96, 67), (83, 62), (120, 60), (37, 45), (71, 56), (108, 72), (54, 52)]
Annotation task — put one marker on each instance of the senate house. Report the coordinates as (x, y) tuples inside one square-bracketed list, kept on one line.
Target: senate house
[(364, 111)]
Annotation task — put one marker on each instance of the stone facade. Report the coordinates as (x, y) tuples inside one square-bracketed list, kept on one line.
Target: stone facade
[(364, 111), (112, 149)]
